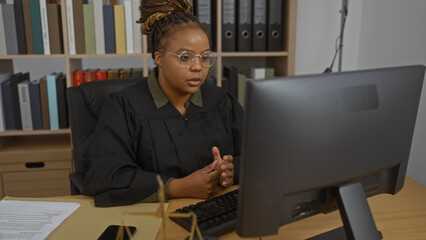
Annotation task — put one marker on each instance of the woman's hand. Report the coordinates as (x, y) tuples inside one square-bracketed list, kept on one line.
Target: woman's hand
[(199, 184), (225, 166)]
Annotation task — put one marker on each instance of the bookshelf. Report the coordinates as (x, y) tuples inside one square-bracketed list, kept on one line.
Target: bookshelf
[(49, 140)]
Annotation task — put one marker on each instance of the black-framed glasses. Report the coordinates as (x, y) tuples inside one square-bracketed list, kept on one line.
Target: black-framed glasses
[(187, 58)]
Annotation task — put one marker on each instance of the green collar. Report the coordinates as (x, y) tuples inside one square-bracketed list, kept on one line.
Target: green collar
[(160, 99)]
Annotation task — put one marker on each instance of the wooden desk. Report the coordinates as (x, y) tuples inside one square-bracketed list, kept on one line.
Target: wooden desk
[(400, 216)]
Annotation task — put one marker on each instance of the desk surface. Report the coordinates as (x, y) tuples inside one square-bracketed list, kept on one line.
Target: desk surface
[(400, 216)]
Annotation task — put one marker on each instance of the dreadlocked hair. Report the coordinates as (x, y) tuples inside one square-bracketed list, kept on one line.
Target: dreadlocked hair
[(163, 17)]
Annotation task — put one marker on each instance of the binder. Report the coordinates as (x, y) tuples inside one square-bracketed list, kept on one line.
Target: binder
[(20, 29), (244, 25), (109, 29), (10, 96), (228, 26), (275, 29), (259, 25), (203, 10), (34, 90)]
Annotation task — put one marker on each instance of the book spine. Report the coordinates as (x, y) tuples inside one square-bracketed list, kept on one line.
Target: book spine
[(34, 90), (79, 26), (25, 106), (62, 103), (36, 26), (99, 27), (8, 106), (53, 102), (55, 28), (3, 77), (44, 102), (70, 25), (137, 36), (44, 27), (120, 30), (129, 26), (20, 28), (27, 24), (3, 49), (10, 29), (89, 28)]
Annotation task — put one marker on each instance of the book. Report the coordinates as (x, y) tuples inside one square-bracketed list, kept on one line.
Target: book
[(3, 77), (27, 25), (44, 27), (55, 28), (98, 17), (34, 90), (77, 77), (70, 26), (62, 102), (241, 88), (77, 8), (36, 27), (137, 35), (52, 100), (101, 75), (125, 73), (89, 28), (120, 30), (10, 29), (109, 28), (20, 28), (3, 48), (44, 103), (10, 96), (137, 73), (89, 75), (129, 26), (25, 105), (112, 74)]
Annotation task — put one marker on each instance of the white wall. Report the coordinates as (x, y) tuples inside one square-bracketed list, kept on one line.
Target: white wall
[(379, 33)]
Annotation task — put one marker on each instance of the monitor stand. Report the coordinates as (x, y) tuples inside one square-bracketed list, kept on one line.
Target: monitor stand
[(358, 222)]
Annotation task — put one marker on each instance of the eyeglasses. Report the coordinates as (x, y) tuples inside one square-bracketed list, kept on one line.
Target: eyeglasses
[(187, 58)]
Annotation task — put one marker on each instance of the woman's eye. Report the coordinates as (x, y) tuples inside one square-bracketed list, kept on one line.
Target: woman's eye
[(184, 58), (205, 58)]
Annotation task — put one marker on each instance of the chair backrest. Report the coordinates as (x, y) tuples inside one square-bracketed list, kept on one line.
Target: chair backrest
[(84, 105)]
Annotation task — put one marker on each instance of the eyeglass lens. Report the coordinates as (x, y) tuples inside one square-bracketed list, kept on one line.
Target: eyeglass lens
[(187, 58)]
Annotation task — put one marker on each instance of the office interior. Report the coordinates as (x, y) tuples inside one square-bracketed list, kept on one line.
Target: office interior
[(379, 33)]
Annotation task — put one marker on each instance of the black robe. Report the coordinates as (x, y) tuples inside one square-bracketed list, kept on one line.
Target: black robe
[(134, 140)]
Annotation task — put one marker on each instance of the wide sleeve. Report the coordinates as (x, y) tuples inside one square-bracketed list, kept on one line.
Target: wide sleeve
[(236, 115), (113, 177)]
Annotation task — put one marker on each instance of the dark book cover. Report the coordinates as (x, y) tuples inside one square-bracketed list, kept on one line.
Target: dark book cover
[(44, 104), (36, 27), (62, 102), (20, 28), (109, 29), (11, 106), (34, 89), (27, 25)]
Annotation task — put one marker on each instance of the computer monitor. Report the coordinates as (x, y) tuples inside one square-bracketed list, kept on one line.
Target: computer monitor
[(313, 144)]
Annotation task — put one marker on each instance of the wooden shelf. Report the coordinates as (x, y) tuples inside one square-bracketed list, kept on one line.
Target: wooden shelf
[(9, 133)]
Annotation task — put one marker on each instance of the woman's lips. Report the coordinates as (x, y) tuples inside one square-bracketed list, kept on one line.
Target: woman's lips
[(194, 82)]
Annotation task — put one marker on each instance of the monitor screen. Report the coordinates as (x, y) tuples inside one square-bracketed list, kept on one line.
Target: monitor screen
[(305, 137)]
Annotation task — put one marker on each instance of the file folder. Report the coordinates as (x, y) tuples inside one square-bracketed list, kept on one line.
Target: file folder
[(228, 26), (275, 34), (203, 10), (244, 23), (259, 25)]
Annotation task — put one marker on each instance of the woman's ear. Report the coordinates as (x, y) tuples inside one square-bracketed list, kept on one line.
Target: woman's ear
[(158, 58)]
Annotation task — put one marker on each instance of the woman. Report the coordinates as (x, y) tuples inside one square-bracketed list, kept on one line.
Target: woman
[(171, 124)]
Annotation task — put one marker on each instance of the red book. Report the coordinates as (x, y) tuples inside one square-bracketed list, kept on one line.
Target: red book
[(77, 77), (89, 75), (101, 75)]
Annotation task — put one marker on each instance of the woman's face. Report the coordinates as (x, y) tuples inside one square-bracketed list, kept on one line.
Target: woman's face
[(176, 79)]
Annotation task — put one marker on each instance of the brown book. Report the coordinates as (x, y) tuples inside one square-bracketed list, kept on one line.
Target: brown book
[(44, 104), (80, 46), (27, 26), (112, 74), (125, 73), (55, 28)]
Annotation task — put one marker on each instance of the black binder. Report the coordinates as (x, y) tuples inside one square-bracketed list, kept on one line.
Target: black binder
[(244, 25), (259, 25), (203, 10), (228, 26), (275, 28), (10, 96)]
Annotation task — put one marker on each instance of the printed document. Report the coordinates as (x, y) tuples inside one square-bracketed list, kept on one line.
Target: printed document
[(32, 219)]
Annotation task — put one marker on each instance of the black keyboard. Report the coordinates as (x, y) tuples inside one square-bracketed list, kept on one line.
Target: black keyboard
[(215, 216)]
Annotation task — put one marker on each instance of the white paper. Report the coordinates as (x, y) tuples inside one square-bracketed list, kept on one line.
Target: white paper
[(32, 219)]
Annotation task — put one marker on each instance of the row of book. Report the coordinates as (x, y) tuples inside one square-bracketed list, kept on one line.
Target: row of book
[(88, 75), (234, 80), (31, 27), (99, 27), (247, 25), (33, 104)]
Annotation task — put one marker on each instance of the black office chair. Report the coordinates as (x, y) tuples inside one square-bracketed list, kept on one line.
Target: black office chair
[(84, 105)]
